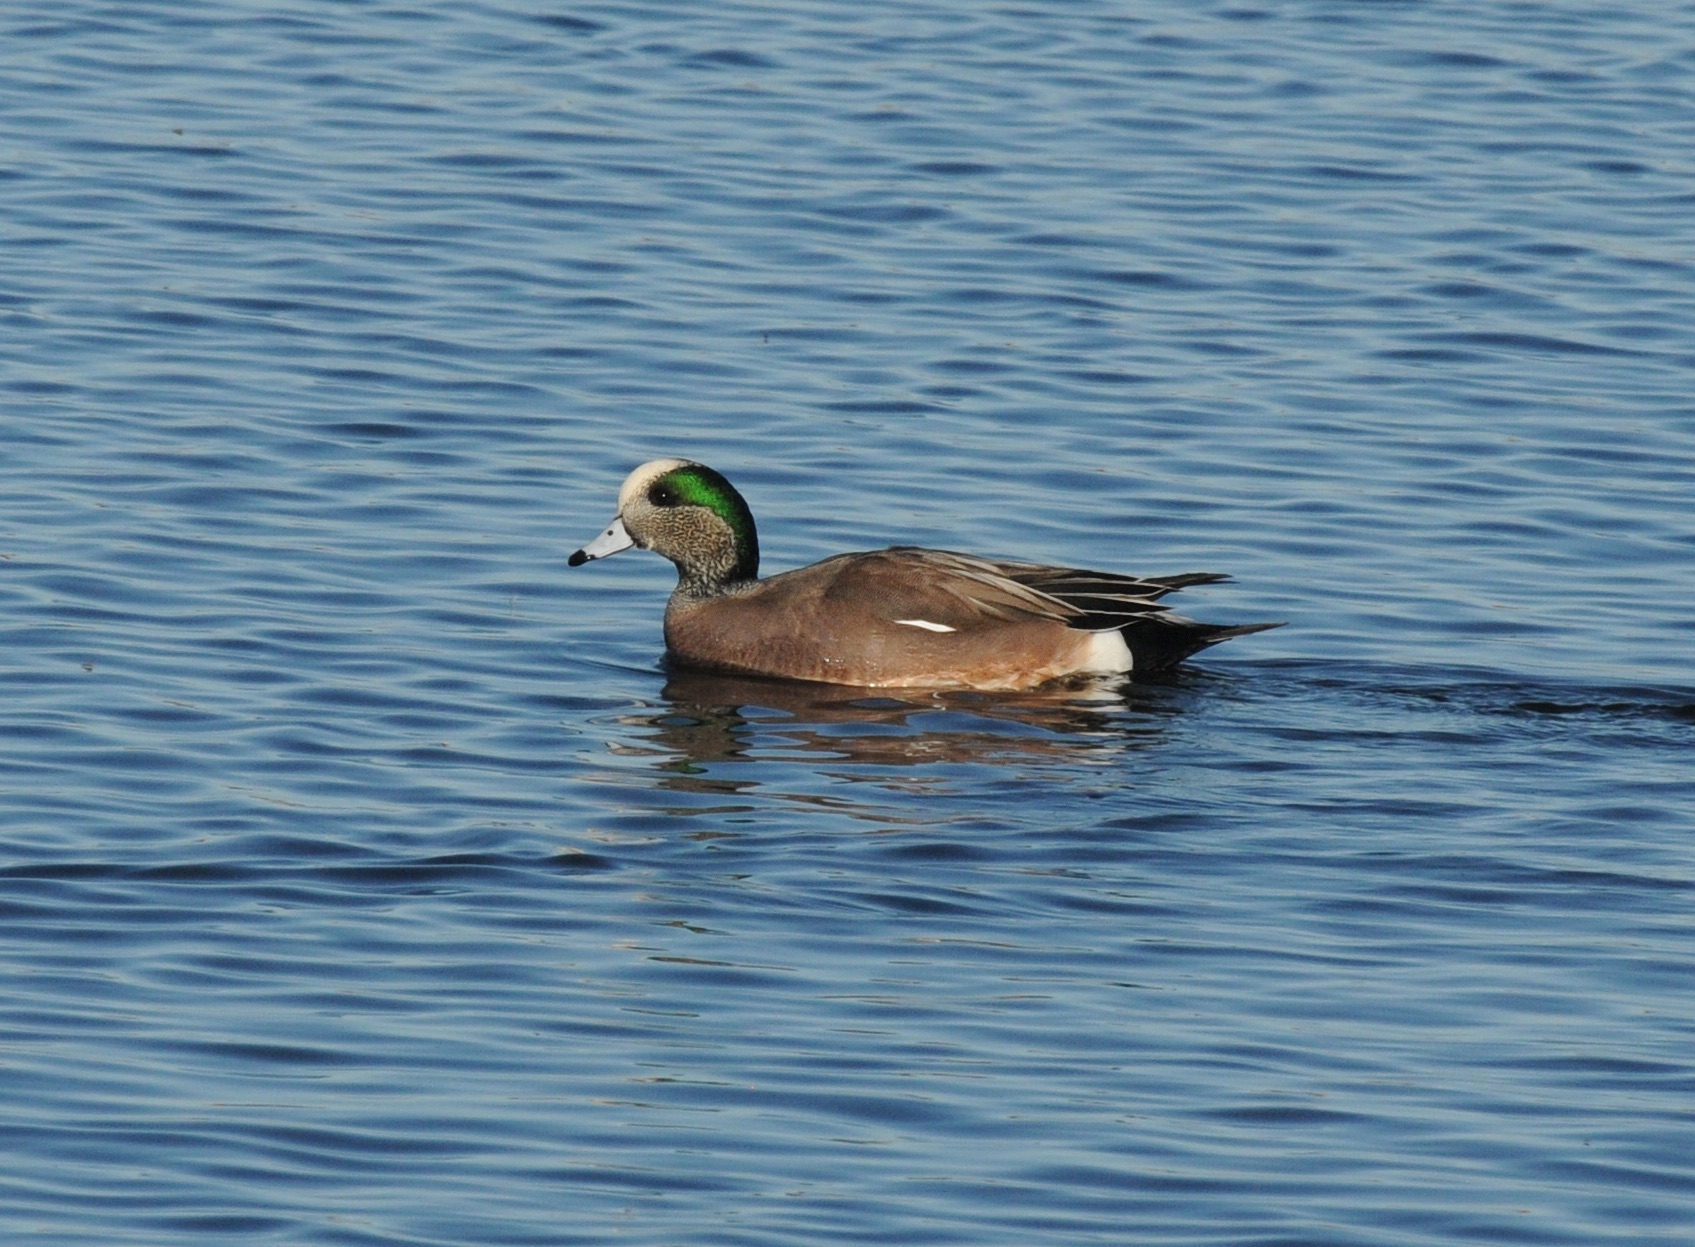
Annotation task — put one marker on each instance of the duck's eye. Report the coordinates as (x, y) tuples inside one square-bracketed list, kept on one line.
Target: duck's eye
[(662, 495)]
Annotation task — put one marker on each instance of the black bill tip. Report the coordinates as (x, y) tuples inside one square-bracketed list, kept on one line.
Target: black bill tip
[(577, 559)]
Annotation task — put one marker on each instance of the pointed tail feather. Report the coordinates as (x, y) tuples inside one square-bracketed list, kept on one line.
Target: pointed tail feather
[(1159, 642)]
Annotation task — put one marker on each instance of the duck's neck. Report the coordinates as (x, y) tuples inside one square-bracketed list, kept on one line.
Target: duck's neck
[(733, 570), (713, 543)]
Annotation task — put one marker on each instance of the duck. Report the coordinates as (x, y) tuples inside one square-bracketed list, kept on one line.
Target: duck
[(902, 617)]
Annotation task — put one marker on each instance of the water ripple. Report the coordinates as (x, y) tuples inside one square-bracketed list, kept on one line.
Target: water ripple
[(365, 877)]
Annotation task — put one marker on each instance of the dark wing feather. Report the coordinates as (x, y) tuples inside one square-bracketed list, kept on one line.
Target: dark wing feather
[(943, 586), (1158, 637), (1102, 600), (933, 584)]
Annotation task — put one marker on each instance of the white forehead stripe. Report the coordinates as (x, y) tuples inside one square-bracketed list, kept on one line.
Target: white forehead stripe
[(926, 625), (636, 483)]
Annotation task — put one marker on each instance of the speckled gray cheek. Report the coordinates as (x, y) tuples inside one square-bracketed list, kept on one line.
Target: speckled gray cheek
[(701, 545)]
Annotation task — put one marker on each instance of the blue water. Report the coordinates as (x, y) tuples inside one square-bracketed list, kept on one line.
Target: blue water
[(364, 879)]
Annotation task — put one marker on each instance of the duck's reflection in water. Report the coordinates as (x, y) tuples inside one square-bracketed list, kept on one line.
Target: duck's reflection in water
[(708, 721)]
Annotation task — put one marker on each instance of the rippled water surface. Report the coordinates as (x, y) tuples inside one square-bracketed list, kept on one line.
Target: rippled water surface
[(364, 877)]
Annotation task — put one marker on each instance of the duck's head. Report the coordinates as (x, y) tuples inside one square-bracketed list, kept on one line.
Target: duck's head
[(691, 515)]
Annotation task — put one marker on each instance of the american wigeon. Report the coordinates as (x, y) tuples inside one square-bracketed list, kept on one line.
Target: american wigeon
[(897, 618)]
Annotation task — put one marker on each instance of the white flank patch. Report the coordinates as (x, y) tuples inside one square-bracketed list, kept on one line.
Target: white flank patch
[(926, 625), (1107, 654)]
